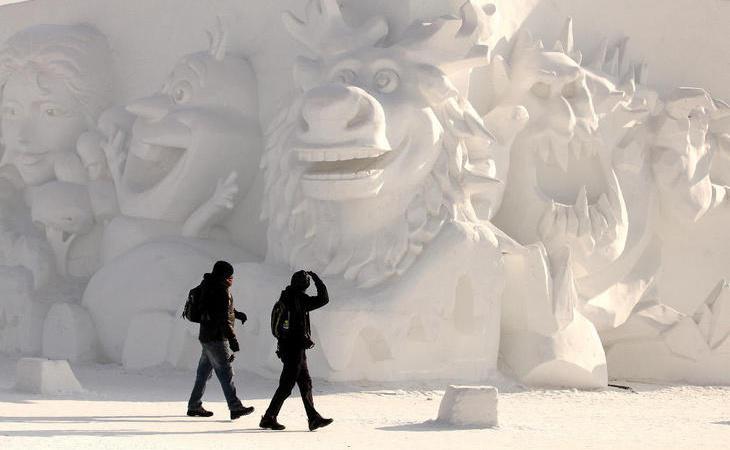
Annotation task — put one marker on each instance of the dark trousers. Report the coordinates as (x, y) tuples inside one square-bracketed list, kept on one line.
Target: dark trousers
[(214, 356), (295, 371)]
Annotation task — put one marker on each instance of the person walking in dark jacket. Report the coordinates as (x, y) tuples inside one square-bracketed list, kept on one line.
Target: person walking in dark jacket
[(293, 343), (218, 341)]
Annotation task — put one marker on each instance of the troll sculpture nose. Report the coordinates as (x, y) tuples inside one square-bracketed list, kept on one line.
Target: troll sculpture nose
[(337, 114), (151, 108)]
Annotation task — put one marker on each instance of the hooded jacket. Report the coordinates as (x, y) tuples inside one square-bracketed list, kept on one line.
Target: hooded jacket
[(218, 315), (299, 305)]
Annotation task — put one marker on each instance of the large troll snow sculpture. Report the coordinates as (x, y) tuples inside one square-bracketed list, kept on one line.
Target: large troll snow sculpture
[(370, 177), (191, 154), (564, 201)]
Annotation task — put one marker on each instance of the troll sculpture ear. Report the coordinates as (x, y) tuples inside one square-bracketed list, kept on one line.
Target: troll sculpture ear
[(307, 73)]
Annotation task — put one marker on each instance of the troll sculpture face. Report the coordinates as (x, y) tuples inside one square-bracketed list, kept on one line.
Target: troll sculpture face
[(372, 158), (199, 128), (562, 187)]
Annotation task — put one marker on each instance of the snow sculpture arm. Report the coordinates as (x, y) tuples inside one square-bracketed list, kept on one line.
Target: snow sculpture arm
[(214, 210)]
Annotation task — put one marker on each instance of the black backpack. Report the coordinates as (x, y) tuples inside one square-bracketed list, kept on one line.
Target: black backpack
[(279, 319), (193, 306)]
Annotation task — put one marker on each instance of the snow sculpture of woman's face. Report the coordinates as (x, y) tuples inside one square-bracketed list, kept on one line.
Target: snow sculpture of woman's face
[(40, 120), (54, 82)]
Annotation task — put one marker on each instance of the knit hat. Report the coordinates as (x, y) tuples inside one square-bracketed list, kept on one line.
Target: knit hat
[(222, 269)]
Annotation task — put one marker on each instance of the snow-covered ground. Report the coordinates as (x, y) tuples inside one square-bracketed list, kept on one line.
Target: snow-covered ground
[(137, 411)]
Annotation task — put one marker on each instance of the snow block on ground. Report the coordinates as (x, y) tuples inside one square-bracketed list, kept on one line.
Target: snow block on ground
[(43, 376), (69, 333), (147, 340), (469, 406)]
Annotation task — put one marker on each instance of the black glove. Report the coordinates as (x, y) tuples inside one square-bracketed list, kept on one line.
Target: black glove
[(231, 358), (241, 316), (233, 343)]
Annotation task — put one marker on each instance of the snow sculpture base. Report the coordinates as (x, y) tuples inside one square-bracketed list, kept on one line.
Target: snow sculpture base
[(69, 333), (44, 376), (658, 343), (469, 406), (147, 340)]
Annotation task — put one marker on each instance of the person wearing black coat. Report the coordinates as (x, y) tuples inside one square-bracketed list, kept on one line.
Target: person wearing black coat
[(292, 347), (218, 340)]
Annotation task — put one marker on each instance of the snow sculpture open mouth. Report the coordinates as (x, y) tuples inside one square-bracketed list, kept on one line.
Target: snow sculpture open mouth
[(156, 150), (583, 204), (344, 171)]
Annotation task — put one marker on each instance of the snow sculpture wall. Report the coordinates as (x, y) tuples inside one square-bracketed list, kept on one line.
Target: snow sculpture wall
[(461, 202)]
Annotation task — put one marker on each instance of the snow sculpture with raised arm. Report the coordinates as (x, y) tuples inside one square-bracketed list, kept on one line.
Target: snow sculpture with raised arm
[(180, 159), (55, 81), (371, 174)]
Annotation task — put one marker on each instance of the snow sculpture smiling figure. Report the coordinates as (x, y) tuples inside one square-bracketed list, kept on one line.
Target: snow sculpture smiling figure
[(192, 151), (199, 130), (370, 177), (55, 82)]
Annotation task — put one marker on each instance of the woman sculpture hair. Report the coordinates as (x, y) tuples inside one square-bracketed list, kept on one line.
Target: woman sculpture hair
[(69, 67)]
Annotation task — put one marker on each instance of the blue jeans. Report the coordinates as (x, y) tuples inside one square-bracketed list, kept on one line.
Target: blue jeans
[(215, 356)]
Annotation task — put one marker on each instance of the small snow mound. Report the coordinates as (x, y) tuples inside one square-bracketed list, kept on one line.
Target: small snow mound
[(469, 406), (69, 333), (44, 376)]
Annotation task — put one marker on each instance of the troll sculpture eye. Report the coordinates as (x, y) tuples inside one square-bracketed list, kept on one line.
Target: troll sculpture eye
[(182, 91), (541, 90), (386, 80), (345, 76)]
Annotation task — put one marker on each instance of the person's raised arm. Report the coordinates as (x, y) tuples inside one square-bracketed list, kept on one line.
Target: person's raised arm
[(322, 297)]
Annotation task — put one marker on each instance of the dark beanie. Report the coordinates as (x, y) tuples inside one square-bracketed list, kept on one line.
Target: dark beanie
[(300, 280), (222, 269)]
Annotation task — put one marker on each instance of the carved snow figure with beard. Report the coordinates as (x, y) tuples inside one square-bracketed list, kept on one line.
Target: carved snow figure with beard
[(371, 174)]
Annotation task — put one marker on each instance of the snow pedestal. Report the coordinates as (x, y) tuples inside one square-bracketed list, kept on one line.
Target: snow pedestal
[(469, 406), (43, 376), (68, 333)]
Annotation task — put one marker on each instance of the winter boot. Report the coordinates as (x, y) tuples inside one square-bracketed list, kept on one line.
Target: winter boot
[(199, 412), (270, 423), (318, 422), (236, 413)]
